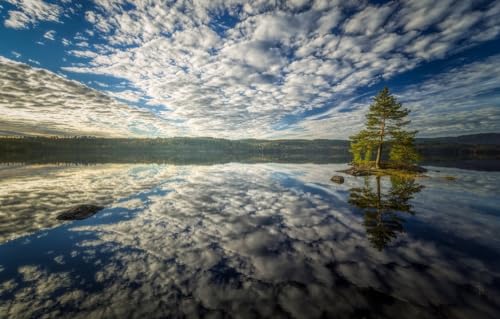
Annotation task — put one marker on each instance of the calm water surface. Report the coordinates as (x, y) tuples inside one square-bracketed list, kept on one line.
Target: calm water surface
[(248, 241)]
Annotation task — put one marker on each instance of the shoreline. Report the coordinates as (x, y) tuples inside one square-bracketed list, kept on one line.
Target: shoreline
[(414, 171)]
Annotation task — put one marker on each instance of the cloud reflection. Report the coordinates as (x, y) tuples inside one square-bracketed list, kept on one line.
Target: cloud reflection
[(258, 241), (31, 197)]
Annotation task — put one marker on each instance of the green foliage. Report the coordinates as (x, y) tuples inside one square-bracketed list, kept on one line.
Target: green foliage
[(368, 153), (356, 147), (361, 147), (403, 151), (385, 124), (385, 115)]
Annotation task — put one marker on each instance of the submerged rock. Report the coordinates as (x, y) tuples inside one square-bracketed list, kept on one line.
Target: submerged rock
[(79, 212), (337, 179)]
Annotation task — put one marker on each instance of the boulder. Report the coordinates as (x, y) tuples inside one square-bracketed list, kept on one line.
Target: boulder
[(354, 171), (79, 212), (337, 179)]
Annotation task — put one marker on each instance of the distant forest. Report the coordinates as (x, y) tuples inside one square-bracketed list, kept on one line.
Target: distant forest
[(179, 150), (182, 150)]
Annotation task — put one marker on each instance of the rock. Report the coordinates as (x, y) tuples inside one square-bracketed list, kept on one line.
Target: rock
[(386, 171), (418, 169), (361, 172), (356, 172), (337, 179), (79, 212)]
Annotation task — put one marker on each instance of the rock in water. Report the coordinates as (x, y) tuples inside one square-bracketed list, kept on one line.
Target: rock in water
[(337, 179), (354, 171), (79, 212)]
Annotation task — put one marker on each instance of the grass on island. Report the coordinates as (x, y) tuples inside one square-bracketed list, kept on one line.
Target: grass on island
[(369, 169)]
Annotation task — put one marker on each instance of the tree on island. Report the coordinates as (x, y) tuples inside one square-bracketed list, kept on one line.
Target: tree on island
[(385, 124)]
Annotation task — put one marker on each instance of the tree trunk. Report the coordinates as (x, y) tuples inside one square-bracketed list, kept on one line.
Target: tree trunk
[(381, 141), (379, 155)]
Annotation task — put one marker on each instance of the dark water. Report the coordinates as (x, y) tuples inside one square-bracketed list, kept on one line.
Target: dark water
[(248, 241)]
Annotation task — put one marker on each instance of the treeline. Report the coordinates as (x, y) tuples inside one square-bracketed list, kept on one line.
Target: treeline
[(168, 150), (454, 151), (213, 150)]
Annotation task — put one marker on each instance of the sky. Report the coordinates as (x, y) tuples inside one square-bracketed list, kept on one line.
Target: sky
[(245, 69)]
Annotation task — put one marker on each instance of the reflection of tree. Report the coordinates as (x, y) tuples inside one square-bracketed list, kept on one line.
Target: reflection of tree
[(381, 210)]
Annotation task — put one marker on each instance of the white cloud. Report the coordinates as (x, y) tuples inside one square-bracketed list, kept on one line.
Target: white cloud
[(127, 95), (65, 42), (370, 20), (50, 35), (83, 54), (462, 100), (34, 61), (245, 75), (274, 62), (41, 102), (29, 12)]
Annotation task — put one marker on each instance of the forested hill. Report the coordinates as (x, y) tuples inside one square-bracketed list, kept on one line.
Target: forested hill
[(185, 143), (170, 150), (477, 139), (213, 150), (484, 138)]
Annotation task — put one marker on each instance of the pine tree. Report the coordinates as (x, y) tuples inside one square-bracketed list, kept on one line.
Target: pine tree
[(385, 121), (403, 151)]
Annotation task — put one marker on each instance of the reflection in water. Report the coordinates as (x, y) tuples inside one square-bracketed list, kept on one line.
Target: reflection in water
[(382, 210), (31, 197), (250, 241)]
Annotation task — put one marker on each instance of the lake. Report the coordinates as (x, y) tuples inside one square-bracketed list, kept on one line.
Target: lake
[(248, 241)]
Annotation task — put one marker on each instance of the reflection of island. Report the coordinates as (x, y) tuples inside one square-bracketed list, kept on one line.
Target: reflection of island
[(381, 210)]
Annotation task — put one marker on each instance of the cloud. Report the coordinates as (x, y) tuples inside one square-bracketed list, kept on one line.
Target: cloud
[(29, 12), (369, 20), (50, 35), (65, 42), (246, 77), (36, 101), (33, 61), (460, 100), (237, 69)]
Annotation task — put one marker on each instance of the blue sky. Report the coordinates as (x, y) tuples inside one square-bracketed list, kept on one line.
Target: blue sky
[(245, 69)]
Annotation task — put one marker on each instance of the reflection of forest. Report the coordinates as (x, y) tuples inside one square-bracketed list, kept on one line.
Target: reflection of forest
[(382, 210)]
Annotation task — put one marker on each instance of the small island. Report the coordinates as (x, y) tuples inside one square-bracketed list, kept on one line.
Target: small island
[(385, 135)]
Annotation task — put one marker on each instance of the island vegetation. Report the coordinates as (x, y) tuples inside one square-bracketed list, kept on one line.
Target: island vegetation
[(385, 127)]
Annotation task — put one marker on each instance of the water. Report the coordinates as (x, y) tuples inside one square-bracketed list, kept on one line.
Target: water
[(248, 240)]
